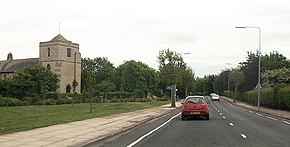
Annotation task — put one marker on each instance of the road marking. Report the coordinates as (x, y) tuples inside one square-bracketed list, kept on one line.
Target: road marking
[(286, 122), (218, 110), (271, 118), (224, 117), (221, 114), (251, 111), (244, 136), (231, 124), (259, 114), (142, 137)]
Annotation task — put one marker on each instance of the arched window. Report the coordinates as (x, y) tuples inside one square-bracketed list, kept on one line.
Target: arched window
[(68, 88), (48, 52), (48, 67)]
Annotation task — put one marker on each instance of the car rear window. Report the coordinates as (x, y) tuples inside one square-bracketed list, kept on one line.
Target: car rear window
[(194, 100)]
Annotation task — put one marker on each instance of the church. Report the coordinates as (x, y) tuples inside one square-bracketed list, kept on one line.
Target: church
[(58, 55)]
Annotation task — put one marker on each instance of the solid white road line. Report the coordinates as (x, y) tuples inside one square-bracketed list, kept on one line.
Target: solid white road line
[(231, 124), (259, 114), (286, 122), (142, 137), (271, 118), (244, 136)]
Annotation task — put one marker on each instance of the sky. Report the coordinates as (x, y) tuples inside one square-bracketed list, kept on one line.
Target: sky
[(124, 30)]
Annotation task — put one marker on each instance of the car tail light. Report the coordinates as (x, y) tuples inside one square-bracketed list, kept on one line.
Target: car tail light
[(203, 106)]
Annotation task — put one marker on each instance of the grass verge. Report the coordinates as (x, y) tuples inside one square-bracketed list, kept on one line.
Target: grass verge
[(14, 119)]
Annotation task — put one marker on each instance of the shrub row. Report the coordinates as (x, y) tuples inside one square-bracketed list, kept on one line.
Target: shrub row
[(277, 97), (58, 99)]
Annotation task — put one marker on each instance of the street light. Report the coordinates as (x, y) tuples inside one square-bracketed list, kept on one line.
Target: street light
[(259, 66)]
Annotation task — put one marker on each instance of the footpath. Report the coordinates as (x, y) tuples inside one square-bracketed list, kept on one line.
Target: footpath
[(274, 112), (80, 133)]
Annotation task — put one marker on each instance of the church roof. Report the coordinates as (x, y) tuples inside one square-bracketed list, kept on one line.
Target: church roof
[(15, 65), (59, 38)]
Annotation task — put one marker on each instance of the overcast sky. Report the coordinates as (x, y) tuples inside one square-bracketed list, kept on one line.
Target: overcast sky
[(122, 30)]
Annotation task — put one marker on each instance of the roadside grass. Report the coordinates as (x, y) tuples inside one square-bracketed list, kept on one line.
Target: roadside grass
[(14, 119)]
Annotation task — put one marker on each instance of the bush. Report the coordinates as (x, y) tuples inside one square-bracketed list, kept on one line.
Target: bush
[(50, 102), (284, 98), (9, 102)]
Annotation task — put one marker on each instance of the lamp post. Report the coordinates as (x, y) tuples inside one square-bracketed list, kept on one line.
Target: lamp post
[(259, 66)]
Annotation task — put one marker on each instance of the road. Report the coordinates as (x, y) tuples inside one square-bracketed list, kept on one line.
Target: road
[(229, 125)]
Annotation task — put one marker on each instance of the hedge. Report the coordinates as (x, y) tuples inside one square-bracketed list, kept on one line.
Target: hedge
[(277, 97)]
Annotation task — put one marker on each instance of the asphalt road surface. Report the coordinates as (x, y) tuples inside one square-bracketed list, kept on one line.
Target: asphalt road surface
[(229, 125)]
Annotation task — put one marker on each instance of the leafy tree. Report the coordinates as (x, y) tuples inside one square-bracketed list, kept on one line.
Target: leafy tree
[(275, 77), (236, 77), (170, 65), (274, 61), (40, 79), (74, 84), (210, 84), (199, 86), (187, 79), (137, 77), (221, 81), (250, 70), (101, 69)]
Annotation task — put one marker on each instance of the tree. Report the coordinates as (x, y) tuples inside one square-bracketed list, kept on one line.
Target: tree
[(236, 77), (187, 79), (137, 77), (199, 86), (275, 77), (40, 79), (250, 70), (101, 69), (74, 84), (274, 61), (170, 65)]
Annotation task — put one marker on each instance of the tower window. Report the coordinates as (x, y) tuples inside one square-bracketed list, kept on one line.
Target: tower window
[(48, 67), (68, 52), (48, 52)]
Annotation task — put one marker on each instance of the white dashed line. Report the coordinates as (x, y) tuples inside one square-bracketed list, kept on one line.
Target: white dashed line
[(251, 111), (221, 114), (286, 122), (244, 136), (149, 133), (218, 110), (224, 117), (259, 114), (231, 124), (271, 118)]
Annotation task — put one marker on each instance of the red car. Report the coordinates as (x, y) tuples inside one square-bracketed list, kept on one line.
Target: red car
[(194, 106)]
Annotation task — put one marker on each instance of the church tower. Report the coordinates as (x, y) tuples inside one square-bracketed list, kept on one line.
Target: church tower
[(63, 58)]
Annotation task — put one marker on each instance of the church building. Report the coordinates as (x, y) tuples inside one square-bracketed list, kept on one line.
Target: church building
[(58, 55)]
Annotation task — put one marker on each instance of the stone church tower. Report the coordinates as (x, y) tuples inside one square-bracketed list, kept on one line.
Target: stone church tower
[(63, 58)]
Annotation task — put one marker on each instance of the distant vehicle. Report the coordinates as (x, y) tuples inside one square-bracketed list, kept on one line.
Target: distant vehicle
[(194, 106), (214, 97)]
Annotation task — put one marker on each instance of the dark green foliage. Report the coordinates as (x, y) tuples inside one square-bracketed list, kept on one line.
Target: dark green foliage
[(250, 70), (9, 102), (277, 97)]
